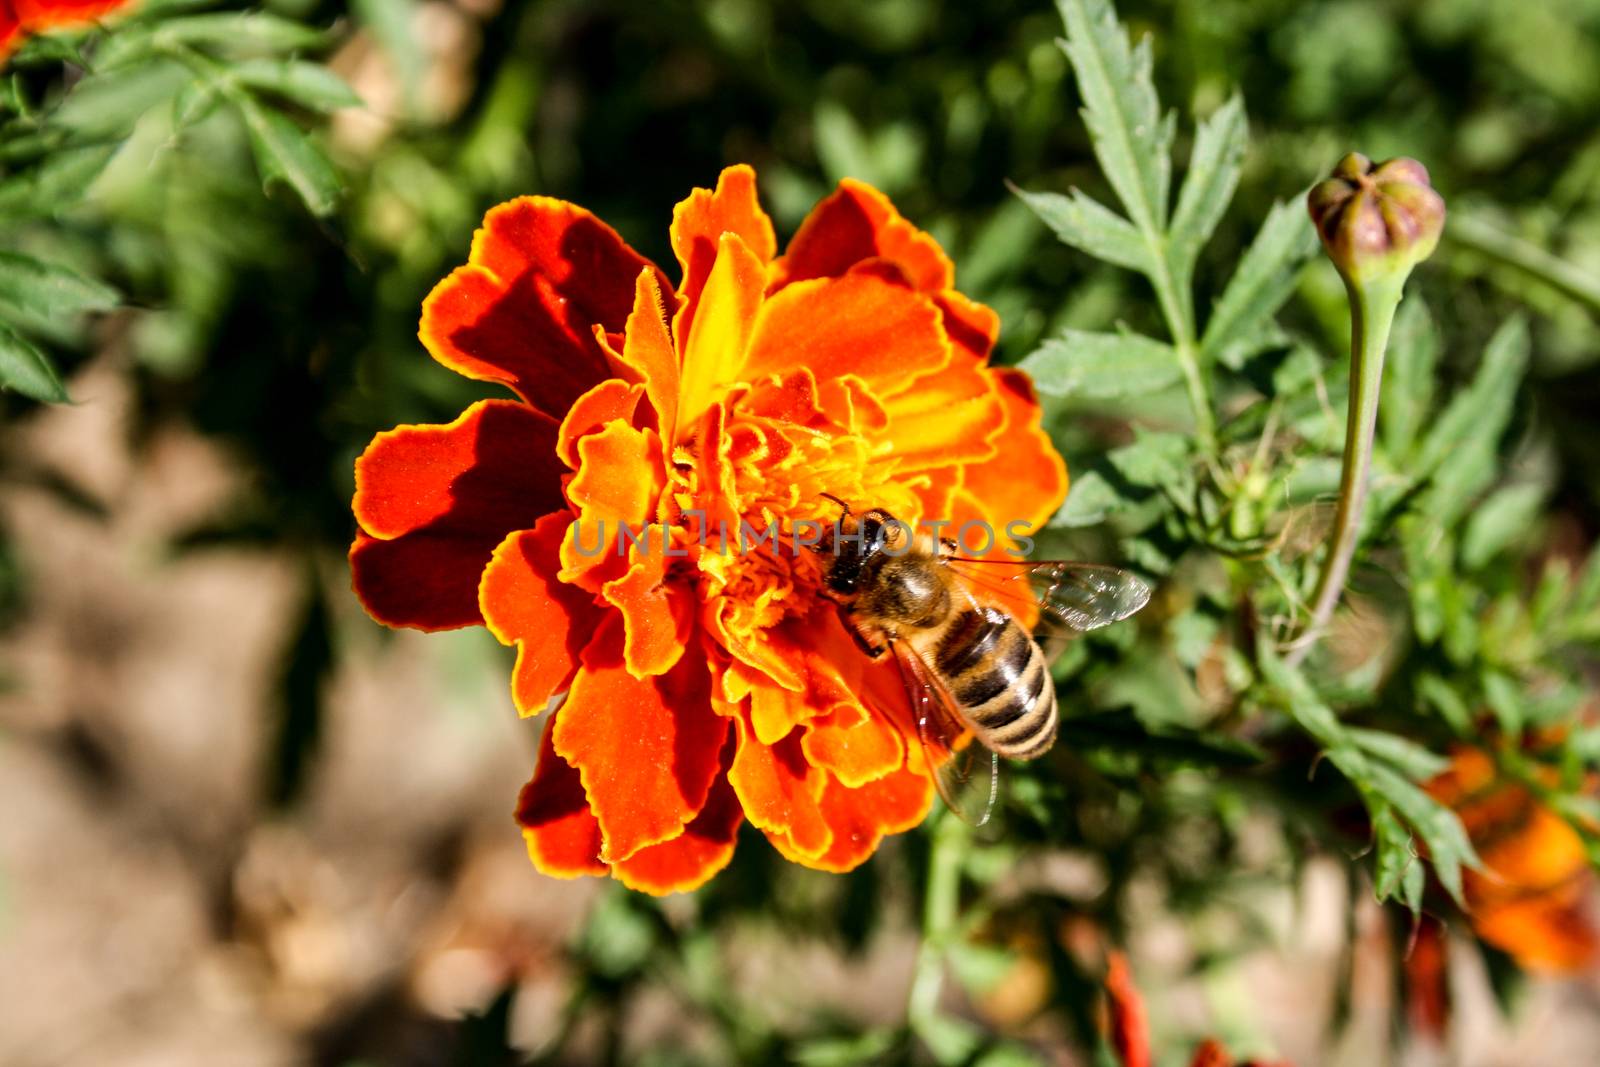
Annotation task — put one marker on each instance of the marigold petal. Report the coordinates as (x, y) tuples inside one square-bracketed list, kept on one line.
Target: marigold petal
[(861, 817), (562, 834), (647, 749), (715, 344), (524, 604), (657, 614), (700, 220), (1130, 1034), (689, 860), (423, 580), (1549, 933), (491, 470), (858, 324), (542, 273), (648, 350), (973, 327), (779, 790), (855, 748), (618, 485), (1026, 479), (612, 400), (854, 223), (945, 419)]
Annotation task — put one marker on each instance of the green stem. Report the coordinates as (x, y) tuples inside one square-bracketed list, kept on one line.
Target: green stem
[(940, 910), (1565, 278), (1177, 308), (1372, 309)]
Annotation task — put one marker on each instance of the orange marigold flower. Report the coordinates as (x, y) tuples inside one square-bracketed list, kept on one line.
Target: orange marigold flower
[(1534, 896), (588, 522), (1129, 1034), (22, 18)]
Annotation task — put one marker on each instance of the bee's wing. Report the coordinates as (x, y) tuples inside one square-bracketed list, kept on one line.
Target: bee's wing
[(1059, 598), (967, 773)]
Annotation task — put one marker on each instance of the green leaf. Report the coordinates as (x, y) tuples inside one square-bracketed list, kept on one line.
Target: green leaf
[(1416, 761), (1084, 223), (27, 370), (1448, 846), (46, 290), (1458, 453), (1263, 280), (1102, 365), (311, 85), (1508, 514), (1408, 376), (1154, 458), (233, 33), (286, 154), (1131, 138), (1219, 146), (56, 183), (1090, 499), (1397, 858)]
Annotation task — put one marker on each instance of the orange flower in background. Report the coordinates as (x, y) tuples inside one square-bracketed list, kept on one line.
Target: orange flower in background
[(1534, 897), (593, 522), (1129, 1034), (20, 19)]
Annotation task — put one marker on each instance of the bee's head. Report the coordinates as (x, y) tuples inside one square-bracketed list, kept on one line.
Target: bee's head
[(855, 543)]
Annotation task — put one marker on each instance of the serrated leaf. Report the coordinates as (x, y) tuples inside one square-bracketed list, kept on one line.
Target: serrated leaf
[(1436, 692), (1396, 854), (311, 85), (1154, 458), (1084, 223), (1458, 453), (1507, 514), (234, 33), (1081, 363), (57, 182), (1131, 139), (1408, 376), (108, 103), (1417, 762), (27, 370), (1449, 849), (1208, 186), (47, 290), (285, 153), (1090, 499), (1263, 280)]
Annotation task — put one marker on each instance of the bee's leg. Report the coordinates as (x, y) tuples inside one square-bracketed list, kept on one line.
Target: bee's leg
[(872, 650)]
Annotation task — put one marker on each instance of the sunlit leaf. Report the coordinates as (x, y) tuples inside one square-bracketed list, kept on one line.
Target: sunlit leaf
[(1499, 521), (1087, 225), (1263, 280), (311, 85), (1208, 186), (287, 154), (47, 290), (27, 370), (1080, 363), (1131, 138)]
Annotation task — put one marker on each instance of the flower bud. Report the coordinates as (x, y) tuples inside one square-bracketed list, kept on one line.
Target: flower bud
[(1376, 220)]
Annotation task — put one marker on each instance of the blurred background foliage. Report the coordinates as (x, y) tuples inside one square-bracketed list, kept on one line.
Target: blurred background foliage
[(239, 211)]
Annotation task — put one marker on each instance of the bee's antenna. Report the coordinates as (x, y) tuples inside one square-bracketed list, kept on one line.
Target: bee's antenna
[(842, 505)]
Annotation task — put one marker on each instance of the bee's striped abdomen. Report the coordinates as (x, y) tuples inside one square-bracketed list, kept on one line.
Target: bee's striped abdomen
[(998, 677)]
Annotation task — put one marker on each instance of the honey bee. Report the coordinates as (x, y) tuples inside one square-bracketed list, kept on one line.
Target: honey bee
[(978, 682)]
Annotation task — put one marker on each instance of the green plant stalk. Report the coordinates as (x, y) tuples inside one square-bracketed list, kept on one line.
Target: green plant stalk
[(1570, 281), (1372, 308), (940, 910), (1177, 307)]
